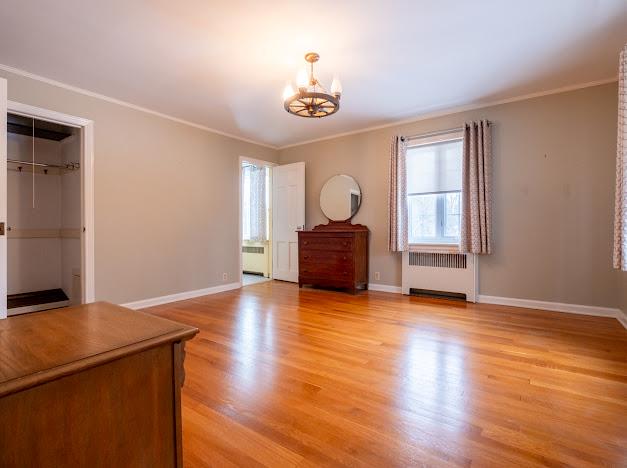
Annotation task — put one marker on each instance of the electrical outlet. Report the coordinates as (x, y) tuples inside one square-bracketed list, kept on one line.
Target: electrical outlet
[(377, 275), (225, 276)]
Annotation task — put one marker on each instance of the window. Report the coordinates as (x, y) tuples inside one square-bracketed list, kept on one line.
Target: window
[(434, 179), (255, 202)]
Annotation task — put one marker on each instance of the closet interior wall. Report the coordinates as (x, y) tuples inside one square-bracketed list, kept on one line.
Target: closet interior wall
[(43, 204)]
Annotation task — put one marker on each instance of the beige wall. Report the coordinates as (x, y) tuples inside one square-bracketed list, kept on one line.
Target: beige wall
[(33, 264), (71, 220), (165, 196), (554, 176), (623, 294)]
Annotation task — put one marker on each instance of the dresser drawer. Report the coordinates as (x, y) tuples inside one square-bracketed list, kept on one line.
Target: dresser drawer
[(326, 243), (326, 270), (334, 257), (327, 281)]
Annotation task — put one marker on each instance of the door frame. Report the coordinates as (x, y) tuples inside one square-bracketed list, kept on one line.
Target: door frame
[(260, 162), (87, 185)]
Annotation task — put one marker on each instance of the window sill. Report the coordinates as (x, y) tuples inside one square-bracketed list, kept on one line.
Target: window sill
[(434, 248)]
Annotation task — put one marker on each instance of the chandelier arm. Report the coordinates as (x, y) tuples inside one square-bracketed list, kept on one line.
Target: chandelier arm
[(313, 101)]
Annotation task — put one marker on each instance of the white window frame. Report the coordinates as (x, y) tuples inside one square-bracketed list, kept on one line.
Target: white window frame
[(437, 247)]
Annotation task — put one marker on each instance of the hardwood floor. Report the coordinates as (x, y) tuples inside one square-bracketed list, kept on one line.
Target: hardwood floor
[(282, 377)]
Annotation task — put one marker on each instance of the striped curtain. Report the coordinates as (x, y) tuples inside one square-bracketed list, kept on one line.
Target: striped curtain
[(620, 206), (476, 216), (397, 197)]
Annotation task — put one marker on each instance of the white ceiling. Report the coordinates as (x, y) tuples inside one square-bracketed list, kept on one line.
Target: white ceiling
[(224, 64)]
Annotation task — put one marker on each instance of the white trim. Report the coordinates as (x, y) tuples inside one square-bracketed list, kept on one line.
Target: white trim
[(240, 235), (181, 296), (384, 288), (530, 304), (85, 92), (455, 110), (256, 162), (45, 114), (87, 184), (551, 306), (3, 199), (37, 307)]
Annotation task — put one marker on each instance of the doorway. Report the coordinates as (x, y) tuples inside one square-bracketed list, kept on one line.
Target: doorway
[(255, 221), (49, 210)]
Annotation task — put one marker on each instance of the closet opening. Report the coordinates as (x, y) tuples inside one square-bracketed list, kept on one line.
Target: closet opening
[(44, 215), (255, 221)]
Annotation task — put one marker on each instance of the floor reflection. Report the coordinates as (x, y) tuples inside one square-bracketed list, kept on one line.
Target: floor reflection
[(253, 339), (433, 380)]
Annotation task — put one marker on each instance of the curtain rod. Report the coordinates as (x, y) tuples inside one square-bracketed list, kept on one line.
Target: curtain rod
[(436, 133), (29, 163)]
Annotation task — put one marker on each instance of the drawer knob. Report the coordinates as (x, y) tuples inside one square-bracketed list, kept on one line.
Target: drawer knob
[(305, 256), (306, 242)]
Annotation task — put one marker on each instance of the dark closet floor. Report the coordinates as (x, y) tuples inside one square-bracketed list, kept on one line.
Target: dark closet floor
[(35, 298)]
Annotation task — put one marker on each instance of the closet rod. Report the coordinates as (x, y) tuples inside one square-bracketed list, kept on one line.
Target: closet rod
[(29, 163)]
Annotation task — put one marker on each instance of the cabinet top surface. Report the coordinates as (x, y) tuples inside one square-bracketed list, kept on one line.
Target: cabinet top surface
[(50, 341)]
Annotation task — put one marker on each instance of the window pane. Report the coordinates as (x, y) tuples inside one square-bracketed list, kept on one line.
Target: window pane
[(422, 218), (434, 167), (452, 210)]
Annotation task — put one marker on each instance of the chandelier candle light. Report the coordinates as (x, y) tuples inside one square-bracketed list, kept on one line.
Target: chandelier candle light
[(311, 99)]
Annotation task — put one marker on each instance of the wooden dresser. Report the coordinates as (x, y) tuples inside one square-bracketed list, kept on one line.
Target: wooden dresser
[(334, 255), (92, 385)]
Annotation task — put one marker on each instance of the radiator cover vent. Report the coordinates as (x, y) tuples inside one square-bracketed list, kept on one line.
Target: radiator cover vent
[(252, 249), (437, 260)]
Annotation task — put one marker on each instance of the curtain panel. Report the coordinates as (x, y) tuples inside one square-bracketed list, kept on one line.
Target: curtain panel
[(476, 215), (254, 198), (620, 205), (397, 196)]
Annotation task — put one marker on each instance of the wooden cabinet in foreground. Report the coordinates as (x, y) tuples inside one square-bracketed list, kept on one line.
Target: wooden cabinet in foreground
[(93, 385)]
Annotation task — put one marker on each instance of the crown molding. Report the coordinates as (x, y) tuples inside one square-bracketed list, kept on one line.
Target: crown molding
[(456, 110), (59, 84), (418, 118)]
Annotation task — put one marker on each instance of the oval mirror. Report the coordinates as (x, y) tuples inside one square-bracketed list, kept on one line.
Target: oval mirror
[(340, 198)]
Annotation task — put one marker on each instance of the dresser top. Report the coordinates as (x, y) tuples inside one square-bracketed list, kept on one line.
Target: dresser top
[(339, 227), (42, 346)]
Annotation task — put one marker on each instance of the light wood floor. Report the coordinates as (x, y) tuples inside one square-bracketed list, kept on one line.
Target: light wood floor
[(282, 377)]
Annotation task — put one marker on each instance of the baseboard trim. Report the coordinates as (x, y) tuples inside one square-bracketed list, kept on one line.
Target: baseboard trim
[(384, 288), (181, 296), (552, 306), (622, 318)]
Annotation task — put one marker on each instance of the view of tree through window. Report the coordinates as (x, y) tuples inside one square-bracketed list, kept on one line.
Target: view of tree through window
[(434, 192)]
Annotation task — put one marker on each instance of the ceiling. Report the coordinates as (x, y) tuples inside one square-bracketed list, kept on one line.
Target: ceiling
[(224, 64)]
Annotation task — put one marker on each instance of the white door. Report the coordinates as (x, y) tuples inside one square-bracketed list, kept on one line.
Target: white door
[(3, 198), (288, 216)]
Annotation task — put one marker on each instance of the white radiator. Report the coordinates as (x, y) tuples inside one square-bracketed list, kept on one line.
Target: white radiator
[(255, 258), (440, 272)]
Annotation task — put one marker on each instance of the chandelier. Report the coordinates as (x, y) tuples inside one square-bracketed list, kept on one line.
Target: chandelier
[(311, 99)]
